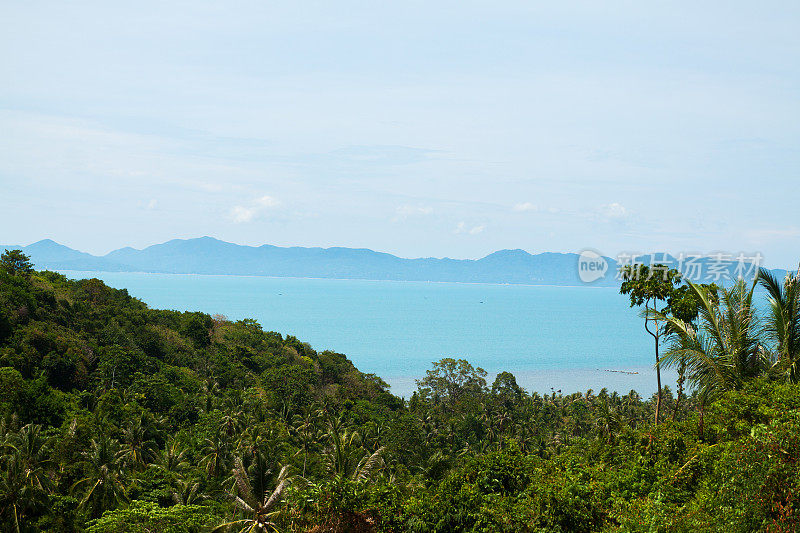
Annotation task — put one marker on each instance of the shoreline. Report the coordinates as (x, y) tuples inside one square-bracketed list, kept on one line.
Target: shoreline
[(568, 380)]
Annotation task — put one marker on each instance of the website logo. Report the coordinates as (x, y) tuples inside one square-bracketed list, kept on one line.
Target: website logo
[(591, 266)]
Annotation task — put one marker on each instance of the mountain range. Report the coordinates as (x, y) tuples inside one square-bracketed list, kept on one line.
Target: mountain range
[(206, 255)]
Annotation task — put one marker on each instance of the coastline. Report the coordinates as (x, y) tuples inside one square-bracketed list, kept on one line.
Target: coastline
[(512, 329), (568, 380)]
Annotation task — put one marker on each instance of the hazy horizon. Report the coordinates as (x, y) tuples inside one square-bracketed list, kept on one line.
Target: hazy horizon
[(257, 245)]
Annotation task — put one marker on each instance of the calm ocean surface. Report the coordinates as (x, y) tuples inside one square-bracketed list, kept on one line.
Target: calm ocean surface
[(566, 338)]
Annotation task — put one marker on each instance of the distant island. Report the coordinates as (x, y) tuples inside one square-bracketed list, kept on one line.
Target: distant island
[(207, 255)]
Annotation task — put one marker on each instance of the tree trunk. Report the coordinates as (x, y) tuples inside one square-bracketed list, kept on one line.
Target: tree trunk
[(658, 379), (677, 404), (655, 335), (681, 379)]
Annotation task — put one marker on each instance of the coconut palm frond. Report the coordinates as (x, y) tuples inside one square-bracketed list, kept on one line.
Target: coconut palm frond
[(258, 505), (782, 326), (243, 505), (276, 495), (283, 481), (242, 481), (222, 528), (723, 349), (368, 465)]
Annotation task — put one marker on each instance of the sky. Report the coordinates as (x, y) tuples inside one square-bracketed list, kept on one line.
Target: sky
[(417, 128)]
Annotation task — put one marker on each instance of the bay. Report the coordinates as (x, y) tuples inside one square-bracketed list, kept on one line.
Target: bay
[(551, 338)]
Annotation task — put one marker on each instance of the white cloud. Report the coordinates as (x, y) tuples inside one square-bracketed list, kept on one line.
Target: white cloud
[(406, 211), (526, 206), (613, 211), (409, 210), (152, 204), (246, 213), (241, 214), (267, 201), (462, 227)]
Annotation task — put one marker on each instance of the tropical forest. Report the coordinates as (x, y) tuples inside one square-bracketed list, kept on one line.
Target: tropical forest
[(115, 417)]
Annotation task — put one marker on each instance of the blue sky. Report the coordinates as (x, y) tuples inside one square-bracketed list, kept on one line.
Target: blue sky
[(419, 128)]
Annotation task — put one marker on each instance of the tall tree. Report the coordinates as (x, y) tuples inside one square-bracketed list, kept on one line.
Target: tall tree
[(453, 378), (652, 288)]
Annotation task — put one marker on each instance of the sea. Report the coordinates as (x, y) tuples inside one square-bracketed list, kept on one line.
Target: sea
[(552, 338)]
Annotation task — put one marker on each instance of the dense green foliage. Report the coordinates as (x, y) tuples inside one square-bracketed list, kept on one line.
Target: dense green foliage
[(119, 418)]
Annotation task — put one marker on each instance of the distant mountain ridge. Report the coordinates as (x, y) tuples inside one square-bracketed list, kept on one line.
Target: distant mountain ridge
[(207, 255)]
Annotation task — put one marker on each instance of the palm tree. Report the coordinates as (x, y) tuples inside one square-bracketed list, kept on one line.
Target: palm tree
[(16, 495), (231, 422), (234, 414), (723, 351), (783, 320), (188, 493), (434, 465), (305, 430), (215, 455), (24, 483), (173, 458), (608, 420), (368, 466), (629, 404), (343, 442), (503, 419), (523, 435), (346, 457), (261, 507), (34, 451), (429, 427), (138, 450), (211, 391), (375, 434), (105, 479), (257, 454)]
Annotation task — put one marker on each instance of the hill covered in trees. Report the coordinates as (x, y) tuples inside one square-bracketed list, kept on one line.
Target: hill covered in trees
[(119, 418)]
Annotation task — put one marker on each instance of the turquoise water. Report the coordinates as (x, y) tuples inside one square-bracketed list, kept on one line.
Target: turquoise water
[(566, 338)]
